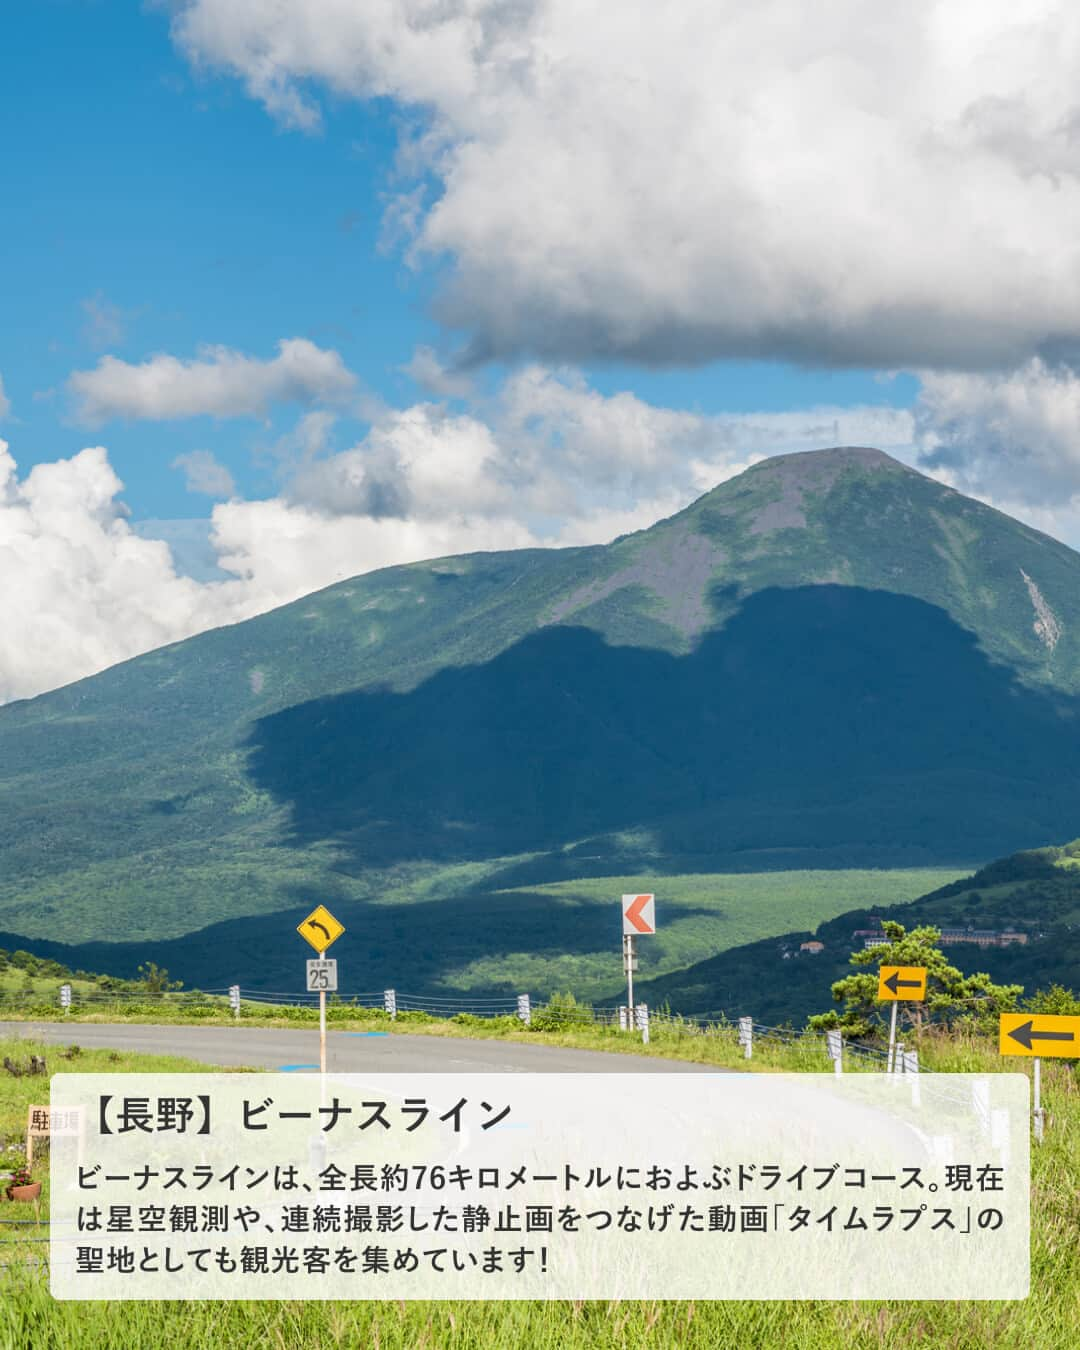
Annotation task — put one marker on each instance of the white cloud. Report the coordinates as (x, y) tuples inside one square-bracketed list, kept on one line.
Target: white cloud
[(283, 550), (572, 449), (205, 474), (1011, 439), (433, 375), (1015, 436), (220, 383), (81, 590), (706, 178), (545, 461)]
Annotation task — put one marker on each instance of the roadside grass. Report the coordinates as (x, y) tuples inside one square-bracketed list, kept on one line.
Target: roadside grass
[(1048, 1319), (22, 1236)]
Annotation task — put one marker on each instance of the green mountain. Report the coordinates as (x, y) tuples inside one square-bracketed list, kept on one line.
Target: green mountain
[(829, 661), (1036, 892)]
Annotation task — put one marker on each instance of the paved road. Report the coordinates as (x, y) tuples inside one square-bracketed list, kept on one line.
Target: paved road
[(271, 1048)]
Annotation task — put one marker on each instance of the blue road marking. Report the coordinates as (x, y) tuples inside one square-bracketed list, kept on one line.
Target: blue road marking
[(291, 1068), (365, 1033)]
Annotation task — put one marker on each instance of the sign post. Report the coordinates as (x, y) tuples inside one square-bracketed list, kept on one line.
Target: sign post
[(638, 916), (320, 929), (65, 998), (899, 984), (1034, 1035)]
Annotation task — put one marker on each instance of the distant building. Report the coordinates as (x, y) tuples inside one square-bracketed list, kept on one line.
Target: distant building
[(981, 937), (813, 947), (952, 937), (872, 937)]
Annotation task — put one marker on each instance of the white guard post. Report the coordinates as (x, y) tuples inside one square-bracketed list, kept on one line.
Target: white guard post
[(1039, 1114), (746, 1036)]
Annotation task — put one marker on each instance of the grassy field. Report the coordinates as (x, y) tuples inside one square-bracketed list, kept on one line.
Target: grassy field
[(1047, 1320), (461, 933), (697, 913)]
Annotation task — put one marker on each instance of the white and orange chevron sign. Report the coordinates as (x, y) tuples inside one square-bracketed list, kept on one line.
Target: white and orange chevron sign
[(638, 914)]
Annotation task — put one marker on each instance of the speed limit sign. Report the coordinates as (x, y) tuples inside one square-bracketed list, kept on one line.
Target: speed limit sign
[(322, 976)]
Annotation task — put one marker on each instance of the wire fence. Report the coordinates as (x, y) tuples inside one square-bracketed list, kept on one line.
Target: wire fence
[(554, 1013)]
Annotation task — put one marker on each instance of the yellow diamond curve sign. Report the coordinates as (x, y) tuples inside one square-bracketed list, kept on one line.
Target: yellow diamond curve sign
[(320, 928)]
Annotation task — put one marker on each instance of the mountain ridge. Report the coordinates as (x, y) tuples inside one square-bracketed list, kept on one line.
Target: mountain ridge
[(829, 652)]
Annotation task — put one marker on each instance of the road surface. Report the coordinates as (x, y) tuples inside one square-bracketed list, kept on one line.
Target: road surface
[(347, 1052)]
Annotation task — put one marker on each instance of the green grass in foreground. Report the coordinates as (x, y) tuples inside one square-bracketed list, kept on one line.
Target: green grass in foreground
[(20, 1237), (1047, 1320)]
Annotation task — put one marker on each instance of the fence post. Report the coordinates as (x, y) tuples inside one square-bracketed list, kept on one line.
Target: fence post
[(390, 1003), (834, 1043), (65, 998), (746, 1036), (622, 1017), (642, 1019), (980, 1100), (911, 1066), (999, 1133), (524, 1009), (1039, 1116), (234, 1000)]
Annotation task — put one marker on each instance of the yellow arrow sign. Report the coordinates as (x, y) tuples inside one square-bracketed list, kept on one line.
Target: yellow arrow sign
[(320, 928), (1039, 1034), (901, 982)]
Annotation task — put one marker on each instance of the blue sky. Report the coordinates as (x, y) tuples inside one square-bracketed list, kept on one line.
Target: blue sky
[(176, 210), (152, 208), (294, 291)]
